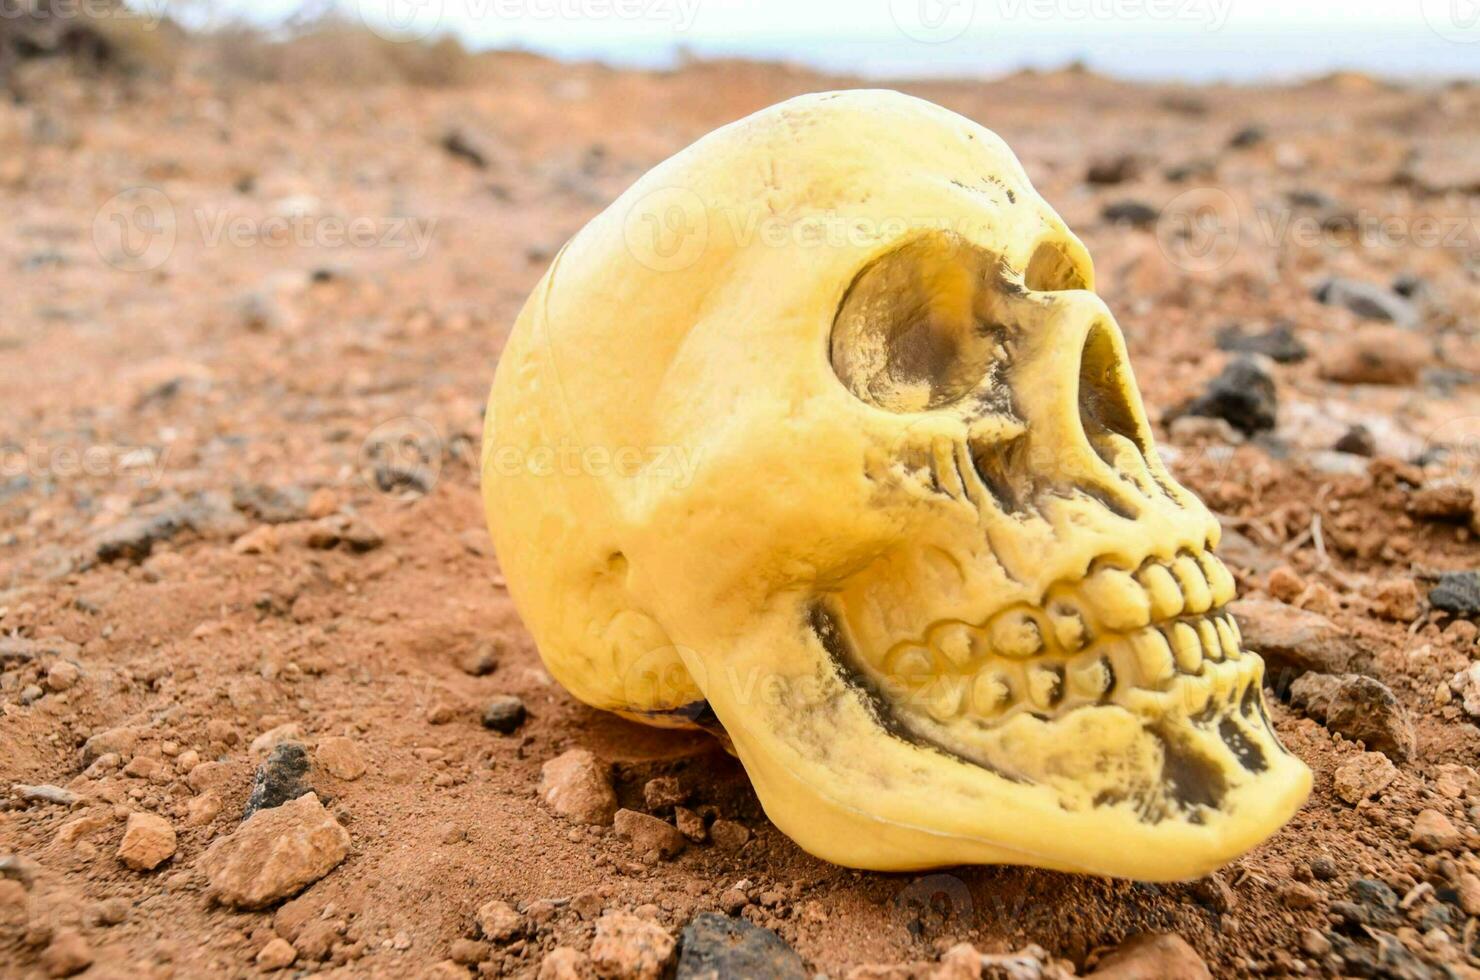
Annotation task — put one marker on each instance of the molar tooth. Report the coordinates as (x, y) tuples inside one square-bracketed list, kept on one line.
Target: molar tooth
[(911, 664), (1186, 647), (1015, 634), (1068, 627), (1211, 644), (1220, 579), (1153, 657), (1199, 598), (1045, 686), (1162, 589), (1226, 637), (990, 693), (954, 644), (1094, 679), (1118, 601), (944, 702)]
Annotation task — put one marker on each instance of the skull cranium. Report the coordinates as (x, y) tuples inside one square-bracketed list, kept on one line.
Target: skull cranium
[(820, 434)]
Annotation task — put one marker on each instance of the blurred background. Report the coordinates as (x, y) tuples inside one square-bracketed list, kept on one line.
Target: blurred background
[(1188, 40)]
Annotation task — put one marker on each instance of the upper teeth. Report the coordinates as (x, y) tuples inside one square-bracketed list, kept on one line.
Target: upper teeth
[(1113, 632)]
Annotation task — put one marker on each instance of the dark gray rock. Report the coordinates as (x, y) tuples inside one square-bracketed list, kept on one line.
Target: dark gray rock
[(1251, 135), (1457, 593), (504, 714), (133, 538), (1368, 300), (1278, 343), (716, 947), (271, 505), (1114, 170), (279, 779), (466, 147), (1242, 395), (1138, 214), (1358, 441)]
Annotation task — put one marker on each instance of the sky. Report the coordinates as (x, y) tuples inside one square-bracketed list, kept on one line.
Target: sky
[(1195, 40)]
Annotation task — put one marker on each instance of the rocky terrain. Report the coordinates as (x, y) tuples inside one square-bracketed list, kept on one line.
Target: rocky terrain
[(266, 706)]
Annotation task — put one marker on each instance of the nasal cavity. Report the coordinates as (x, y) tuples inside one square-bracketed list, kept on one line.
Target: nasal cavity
[(1105, 386)]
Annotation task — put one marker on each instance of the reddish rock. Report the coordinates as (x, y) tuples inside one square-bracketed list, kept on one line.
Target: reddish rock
[(148, 842), (275, 854), (1295, 639), (1364, 776), (647, 833), (340, 757), (1375, 356), (66, 954), (631, 948), (578, 786), (1153, 956), (1432, 831), (499, 921)]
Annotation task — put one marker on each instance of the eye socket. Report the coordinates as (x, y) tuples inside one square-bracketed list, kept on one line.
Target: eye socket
[(1051, 268), (918, 328)]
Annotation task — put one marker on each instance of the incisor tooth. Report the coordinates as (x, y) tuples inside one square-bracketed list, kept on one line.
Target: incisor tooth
[(1153, 657), (910, 663), (954, 643), (1161, 587), (1015, 634), (945, 700), (1208, 633), (1194, 586), (1117, 601), (989, 694), (1186, 647), (1220, 579), (1226, 637)]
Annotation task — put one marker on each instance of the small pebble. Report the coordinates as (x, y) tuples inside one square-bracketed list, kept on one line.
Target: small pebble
[(504, 714)]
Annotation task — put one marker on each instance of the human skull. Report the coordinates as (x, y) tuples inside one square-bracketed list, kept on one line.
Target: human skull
[(819, 435)]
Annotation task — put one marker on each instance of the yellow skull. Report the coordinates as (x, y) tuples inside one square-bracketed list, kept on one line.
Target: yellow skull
[(819, 434)]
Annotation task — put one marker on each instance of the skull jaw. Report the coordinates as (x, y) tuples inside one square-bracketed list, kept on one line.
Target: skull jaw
[(834, 777), (1108, 842)]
